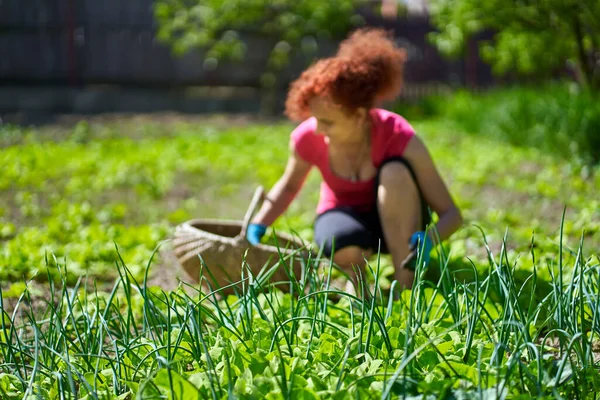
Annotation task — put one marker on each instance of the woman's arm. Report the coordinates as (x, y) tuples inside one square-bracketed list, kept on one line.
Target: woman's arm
[(284, 191), (433, 189)]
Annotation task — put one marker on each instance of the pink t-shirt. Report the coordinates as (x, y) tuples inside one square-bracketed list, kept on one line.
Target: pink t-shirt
[(389, 136)]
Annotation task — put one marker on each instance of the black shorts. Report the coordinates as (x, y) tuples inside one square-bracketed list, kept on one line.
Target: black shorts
[(344, 226)]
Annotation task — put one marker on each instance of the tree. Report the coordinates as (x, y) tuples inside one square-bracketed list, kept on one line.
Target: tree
[(532, 37), (216, 27)]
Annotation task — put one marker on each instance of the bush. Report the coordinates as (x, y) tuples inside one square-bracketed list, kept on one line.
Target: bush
[(419, 109), (561, 119)]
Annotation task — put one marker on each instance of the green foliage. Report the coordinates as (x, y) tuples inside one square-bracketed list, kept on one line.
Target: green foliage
[(445, 339), (562, 120), (494, 316), (75, 196), (534, 38), (218, 26), (74, 193)]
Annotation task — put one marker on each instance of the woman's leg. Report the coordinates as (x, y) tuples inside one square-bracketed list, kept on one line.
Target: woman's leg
[(349, 256), (344, 236), (400, 211), (352, 260)]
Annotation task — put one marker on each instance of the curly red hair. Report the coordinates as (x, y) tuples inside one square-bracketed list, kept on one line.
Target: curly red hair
[(367, 69)]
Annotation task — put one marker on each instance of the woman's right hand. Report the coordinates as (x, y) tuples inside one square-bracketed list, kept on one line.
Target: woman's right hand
[(255, 232)]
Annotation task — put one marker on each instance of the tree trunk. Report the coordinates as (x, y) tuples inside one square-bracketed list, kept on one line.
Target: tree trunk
[(586, 61), (594, 59)]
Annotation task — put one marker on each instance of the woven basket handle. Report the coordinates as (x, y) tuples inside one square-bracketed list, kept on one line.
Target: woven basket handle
[(256, 200)]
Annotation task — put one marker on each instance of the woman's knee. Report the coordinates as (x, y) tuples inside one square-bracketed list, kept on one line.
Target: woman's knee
[(350, 256), (395, 173), (398, 195)]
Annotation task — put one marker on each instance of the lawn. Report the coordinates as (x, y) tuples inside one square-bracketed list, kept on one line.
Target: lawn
[(509, 307)]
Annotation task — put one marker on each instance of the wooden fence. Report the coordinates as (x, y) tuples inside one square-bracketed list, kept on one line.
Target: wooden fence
[(78, 43)]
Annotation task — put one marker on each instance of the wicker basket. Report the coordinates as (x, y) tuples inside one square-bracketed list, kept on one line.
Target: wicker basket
[(216, 249)]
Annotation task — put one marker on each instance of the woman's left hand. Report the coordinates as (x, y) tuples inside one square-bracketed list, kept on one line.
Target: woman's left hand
[(421, 244)]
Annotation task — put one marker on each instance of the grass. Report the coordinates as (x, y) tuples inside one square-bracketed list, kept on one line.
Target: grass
[(497, 315), (448, 338), (561, 118)]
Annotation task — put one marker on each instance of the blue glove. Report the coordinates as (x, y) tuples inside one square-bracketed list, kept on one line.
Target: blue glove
[(421, 242), (255, 232)]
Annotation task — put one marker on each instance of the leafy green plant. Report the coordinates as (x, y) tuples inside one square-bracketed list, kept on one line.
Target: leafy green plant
[(441, 338), (560, 119), (290, 29), (525, 34), (130, 183), (496, 315)]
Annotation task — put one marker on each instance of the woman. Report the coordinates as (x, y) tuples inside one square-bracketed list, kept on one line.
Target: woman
[(378, 178)]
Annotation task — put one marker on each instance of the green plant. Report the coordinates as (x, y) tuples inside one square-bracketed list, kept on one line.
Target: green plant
[(525, 34), (289, 28), (559, 119), (442, 338), (495, 315)]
